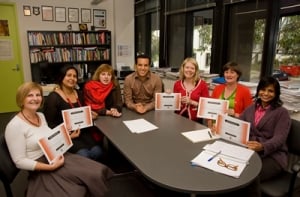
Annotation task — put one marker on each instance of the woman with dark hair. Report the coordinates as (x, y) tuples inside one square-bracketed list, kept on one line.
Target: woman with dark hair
[(238, 95), (66, 96), (103, 92), (270, 125)]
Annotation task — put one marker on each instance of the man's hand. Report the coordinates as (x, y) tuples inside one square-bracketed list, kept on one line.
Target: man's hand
[(139, 107)]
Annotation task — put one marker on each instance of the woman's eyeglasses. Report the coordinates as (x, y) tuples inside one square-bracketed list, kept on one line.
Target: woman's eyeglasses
[(228, 166)]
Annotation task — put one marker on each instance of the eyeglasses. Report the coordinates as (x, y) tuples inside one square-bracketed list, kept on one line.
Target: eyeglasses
[(228, 166)]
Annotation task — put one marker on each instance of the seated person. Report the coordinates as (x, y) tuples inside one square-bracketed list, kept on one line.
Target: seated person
[(140, 86), (69, 174), (270, 126), (191, 88), (66, 96), (103, 92)]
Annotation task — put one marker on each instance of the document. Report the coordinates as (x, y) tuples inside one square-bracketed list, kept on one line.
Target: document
[(210, 108), (77, 118), (224, 158), (56, 142), (200, 135), (220, 164), (139, 125), (232, 129), (235, 152), (167, 101)]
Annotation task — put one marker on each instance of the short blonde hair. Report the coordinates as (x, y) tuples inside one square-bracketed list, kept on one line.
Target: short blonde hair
[(194, 62), (105, 68), (24, 90)]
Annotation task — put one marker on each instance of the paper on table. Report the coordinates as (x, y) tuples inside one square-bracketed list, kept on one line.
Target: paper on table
[(139, 125), (202, 160), (200, 135), (236, 152)]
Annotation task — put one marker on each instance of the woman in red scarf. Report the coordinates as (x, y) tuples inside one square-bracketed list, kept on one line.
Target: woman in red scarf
[(103, 92)]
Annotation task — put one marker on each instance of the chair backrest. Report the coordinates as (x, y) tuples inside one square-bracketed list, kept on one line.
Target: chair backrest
[(293, 140), (8, 169)]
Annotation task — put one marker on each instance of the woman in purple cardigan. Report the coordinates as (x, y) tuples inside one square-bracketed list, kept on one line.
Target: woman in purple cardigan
[(270, 125)]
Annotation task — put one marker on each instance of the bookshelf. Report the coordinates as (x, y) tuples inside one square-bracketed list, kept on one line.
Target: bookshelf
[(50, 50)]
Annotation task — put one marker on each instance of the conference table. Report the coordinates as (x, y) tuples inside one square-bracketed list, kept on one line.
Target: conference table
[(163, 155)]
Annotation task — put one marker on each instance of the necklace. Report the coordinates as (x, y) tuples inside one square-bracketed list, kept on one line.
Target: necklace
[(69, 100), (33, 123)]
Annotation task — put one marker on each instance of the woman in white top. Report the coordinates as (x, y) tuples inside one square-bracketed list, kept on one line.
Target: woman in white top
[(69, 174)]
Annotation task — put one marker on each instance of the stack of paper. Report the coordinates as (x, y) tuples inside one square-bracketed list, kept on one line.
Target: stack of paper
[(224, 158), (200, 135), (139, 125)]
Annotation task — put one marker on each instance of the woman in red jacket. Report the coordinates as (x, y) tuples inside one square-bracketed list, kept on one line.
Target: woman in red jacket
[(238, 95), (191, 88)]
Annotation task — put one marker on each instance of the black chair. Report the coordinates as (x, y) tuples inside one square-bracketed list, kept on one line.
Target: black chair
[(8, 170), (288, 182)]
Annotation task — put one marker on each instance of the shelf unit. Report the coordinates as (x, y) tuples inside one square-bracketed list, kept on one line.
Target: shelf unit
[(50, 50)]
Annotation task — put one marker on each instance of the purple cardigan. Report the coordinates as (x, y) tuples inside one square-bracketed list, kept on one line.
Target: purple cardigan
[(272, 131)]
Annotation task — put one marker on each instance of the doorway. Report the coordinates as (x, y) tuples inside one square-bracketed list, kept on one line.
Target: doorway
[(11, 72)]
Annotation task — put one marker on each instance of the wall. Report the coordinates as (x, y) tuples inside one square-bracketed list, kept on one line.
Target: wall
[(120, 23)]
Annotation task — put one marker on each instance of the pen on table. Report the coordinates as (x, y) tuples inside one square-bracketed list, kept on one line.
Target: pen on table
[(212, 157), (209, 134)]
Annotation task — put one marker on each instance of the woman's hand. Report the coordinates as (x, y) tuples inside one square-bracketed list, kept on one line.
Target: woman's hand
[(115, 113), (94, 115), (75, 133), (58, 162), (185, 100), (255, 145)]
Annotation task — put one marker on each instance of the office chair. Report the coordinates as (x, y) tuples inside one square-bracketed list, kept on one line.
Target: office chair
[(288, 182), (8, 170)]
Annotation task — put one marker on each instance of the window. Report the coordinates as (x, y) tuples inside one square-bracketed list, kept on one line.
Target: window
[(245, 38), (202, 36)]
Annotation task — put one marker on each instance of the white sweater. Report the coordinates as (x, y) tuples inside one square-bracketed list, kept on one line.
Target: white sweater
[(22, 141)]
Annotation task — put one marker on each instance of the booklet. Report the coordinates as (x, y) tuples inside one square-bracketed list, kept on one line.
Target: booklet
[(210, 108), (56, 142), (77, 118), (232, 129), (167, 101)]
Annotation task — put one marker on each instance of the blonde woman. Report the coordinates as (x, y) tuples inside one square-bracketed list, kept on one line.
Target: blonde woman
[(191, 88)]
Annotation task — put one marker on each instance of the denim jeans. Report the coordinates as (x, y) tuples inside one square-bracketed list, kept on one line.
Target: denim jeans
[(94, 153)]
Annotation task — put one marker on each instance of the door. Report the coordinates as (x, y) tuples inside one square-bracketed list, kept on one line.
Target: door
[(11, 75)]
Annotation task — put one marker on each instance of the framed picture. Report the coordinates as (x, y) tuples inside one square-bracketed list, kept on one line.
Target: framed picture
[(73, 15), (99, 17), (47, 13), (60, 14), (27, 10), (86, 15)]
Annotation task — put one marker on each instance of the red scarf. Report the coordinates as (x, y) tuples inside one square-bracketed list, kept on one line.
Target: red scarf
[(95, 94)]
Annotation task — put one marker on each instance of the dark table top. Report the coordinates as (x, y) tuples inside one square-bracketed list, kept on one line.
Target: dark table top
[(163, 155)]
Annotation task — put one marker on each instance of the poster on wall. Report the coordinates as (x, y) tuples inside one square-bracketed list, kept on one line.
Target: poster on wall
[(4, 30), (6, 49), (99, 17)]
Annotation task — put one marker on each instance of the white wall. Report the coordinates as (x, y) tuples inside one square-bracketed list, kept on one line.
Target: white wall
[(119, 20)]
